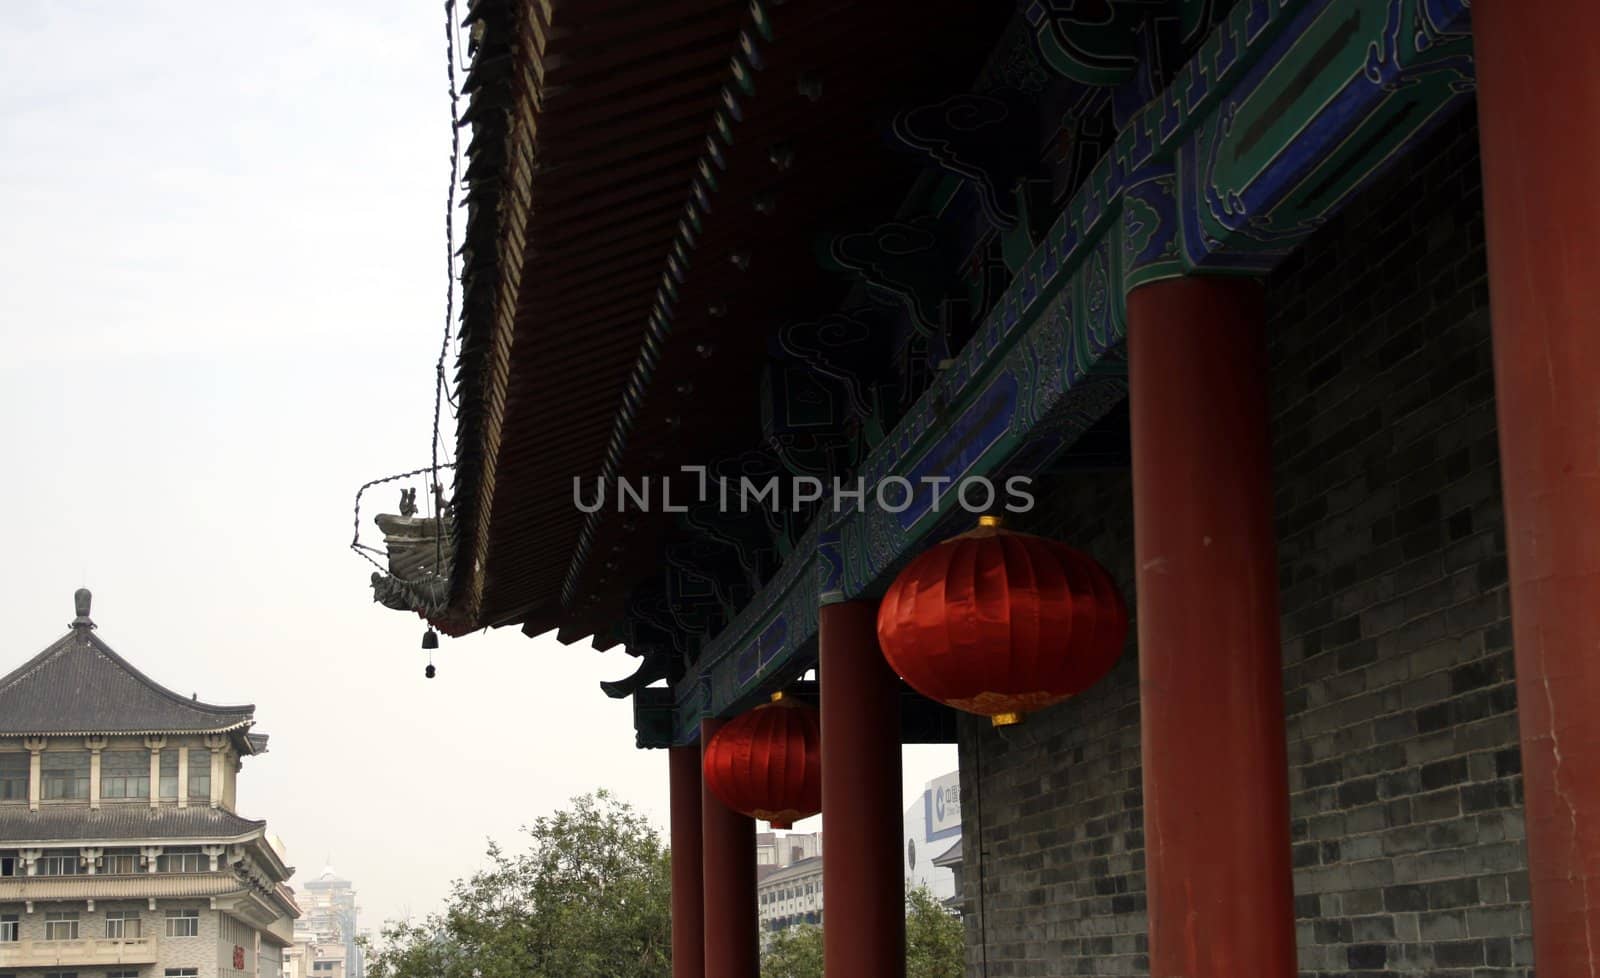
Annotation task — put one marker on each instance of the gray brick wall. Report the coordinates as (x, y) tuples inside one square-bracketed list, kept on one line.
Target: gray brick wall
[(1053, 829), (1401, 710)]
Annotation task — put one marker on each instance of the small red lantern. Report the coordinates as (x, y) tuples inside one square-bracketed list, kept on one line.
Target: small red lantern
[(768, 763), (1001, 624)]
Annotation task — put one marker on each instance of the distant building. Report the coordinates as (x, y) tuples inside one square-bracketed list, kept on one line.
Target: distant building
[(121, 853), (791, 895), (789, 867), (774, 851), (950, 859), (325, 938), (788, 879), (932, 829)]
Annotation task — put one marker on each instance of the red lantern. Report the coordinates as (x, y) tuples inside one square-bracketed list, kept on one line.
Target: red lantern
[(1001, 624), (768, 763)]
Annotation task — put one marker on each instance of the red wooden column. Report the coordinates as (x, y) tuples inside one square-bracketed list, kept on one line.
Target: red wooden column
[(732, 948), (864, 924), (688, 893), (1216, 793), (1539, 113)]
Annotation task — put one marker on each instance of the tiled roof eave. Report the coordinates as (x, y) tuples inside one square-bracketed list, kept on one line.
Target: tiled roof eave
[(139, 886), (76, 683), (230, 728), (249, 835)]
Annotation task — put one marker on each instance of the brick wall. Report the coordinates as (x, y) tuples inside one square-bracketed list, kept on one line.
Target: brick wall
[(198, 952), (1404, 767), (233, 933), (1056, 803)]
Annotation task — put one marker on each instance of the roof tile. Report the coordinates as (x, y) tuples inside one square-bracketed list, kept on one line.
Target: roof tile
[(74, 823), (79, 686)]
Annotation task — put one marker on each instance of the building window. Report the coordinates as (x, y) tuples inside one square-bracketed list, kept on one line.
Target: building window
[(10, 928), (125, 774), (183, 923), (199, 775), (60, 974), (323, 966), (183, 973), (120, 863), (14, 777), (183, 861), (124, 925), (169, 775), (122, 974), (10, 864), (61, 925), (58, 863), (66, 775)]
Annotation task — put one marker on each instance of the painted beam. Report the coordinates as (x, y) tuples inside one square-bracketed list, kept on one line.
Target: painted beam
[(922, 721), (1285, 112)]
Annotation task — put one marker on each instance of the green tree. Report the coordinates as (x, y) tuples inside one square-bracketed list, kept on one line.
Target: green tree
[(590, 898), (794, 952), (935, 944), (935, 940)]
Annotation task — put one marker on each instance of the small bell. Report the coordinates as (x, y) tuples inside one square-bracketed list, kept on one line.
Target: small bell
[(430, 640), (430, 671)]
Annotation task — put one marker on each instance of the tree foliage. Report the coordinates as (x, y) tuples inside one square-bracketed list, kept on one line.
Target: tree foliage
[(794, 952), (589, 898), (935, 944)]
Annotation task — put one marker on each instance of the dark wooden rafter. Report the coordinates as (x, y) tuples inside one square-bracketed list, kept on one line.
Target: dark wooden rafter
[(749, 136), (1006, 199), (748, 155), (671, 166)]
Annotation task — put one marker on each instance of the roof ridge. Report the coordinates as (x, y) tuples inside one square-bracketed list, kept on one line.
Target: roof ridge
[(16, 674), (98, 644), (80, 684), (192, 703)]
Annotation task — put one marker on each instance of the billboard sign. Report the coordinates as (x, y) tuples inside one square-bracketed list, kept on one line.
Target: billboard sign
[(941, 803)]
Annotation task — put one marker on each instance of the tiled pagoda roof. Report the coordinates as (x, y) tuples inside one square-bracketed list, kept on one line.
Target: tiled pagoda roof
[(79, 686)]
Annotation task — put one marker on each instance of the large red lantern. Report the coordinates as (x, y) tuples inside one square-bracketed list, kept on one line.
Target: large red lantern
[(768, 763), (1002, 624)]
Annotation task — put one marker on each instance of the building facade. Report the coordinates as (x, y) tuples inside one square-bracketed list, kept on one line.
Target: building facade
[(932, 828), (121, 852), (326, 937), (775, 851), (789, 866), (791, 896)]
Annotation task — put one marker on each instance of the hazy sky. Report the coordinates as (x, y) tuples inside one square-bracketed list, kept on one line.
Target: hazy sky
[(221, 295)]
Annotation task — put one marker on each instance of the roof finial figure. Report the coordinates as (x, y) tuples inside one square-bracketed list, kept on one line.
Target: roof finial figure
[(80, 603)]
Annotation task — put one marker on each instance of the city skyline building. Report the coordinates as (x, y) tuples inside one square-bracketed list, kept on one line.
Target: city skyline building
[(122, 854), (789, 866), (775, 851), (790, 896), (932, 830), (327, 936)]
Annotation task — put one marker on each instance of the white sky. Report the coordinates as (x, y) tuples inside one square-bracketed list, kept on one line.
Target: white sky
[(221, 295)]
